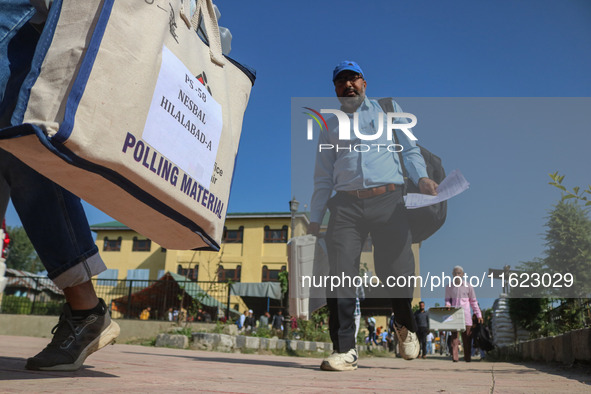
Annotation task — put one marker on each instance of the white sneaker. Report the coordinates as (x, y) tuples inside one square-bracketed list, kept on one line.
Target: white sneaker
[(408, 343), (340, 361)]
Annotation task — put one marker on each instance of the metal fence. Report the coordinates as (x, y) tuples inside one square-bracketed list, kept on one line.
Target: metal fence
[(30, 294), (164, 299), (579, 311)]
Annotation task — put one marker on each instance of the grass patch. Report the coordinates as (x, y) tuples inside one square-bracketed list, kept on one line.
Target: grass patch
[(219, 328), (142, 341), (186, 331)]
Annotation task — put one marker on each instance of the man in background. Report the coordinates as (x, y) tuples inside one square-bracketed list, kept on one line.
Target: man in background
[(464, 297), (422, 319)]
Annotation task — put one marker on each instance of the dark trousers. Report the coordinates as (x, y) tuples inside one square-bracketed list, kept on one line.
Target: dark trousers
[(351, 220), (422, 335), (466, 341), (373, 338)]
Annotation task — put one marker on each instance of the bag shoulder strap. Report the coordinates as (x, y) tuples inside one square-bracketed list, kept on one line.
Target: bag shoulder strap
[(388, 106)]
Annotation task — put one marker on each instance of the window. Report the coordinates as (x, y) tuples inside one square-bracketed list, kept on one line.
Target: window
[(141, 245), (189, 273), (108, 274), (276, 236), (138, 277), (112, 245), (271, 275), (225, 275), (233, 236)]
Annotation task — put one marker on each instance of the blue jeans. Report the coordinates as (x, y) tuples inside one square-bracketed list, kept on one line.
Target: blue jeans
[(52, 217), (373, 337)]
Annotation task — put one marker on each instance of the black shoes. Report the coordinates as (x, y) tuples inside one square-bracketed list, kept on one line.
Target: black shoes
[(74, 340)]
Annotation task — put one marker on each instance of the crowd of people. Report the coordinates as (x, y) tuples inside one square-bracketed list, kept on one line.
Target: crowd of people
[(247, 323)]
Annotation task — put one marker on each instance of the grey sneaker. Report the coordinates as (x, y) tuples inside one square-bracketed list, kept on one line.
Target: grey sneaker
[(408, 343), (340, 361), (73, 341)]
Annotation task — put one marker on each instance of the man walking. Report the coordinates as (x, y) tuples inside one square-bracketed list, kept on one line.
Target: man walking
[(462, 296), (368, 200), (277, 323), (422, 319), (430, 338)]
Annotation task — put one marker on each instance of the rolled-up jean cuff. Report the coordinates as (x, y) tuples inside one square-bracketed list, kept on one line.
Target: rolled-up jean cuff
[(81, 272)]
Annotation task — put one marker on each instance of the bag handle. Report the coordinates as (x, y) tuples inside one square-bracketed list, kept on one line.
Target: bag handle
[(205, 8)]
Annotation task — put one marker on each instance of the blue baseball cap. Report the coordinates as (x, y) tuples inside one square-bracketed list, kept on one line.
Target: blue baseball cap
[(346, 65)]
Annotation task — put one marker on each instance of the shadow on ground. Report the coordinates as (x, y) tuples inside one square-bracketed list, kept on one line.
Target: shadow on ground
[(578, 372), (13, 368)]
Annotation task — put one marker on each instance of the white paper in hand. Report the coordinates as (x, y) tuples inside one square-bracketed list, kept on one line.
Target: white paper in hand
[(451, 186)]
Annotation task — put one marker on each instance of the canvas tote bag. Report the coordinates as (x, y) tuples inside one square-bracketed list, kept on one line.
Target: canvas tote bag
[(126, 107)]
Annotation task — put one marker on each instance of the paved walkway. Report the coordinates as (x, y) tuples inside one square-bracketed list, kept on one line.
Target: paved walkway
[(129, 368)]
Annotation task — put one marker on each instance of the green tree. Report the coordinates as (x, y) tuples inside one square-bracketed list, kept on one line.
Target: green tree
[(284, 282), (528, 312), (537, 266), (568, 244), (568, 251), (527, 306), (21, 254)]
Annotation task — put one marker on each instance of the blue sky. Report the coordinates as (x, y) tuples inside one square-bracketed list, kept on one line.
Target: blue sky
[(531, 48)]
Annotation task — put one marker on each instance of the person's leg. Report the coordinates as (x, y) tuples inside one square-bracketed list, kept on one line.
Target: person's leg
[(374, 338), (467, 341), (422, 334), (393, 258), (82, 296), (52, 217), (56, 224), (333, 322), (343, 242), (449, 344), (17, 45), (455, 343)]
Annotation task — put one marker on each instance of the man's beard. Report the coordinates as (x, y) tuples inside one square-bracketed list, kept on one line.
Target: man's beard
[(351, 103)]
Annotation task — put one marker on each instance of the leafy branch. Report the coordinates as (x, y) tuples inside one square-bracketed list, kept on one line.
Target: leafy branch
[(576, 193)]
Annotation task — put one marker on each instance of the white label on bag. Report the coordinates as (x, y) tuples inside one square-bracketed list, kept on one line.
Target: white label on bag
[(184, 122)]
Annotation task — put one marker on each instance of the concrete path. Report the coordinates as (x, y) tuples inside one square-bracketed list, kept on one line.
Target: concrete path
[(134, 369)]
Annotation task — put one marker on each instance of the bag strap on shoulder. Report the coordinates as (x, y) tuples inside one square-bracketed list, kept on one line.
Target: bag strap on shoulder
[(388, 106)]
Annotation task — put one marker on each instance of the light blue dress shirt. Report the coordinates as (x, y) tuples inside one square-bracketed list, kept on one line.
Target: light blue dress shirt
[(345, 168)]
